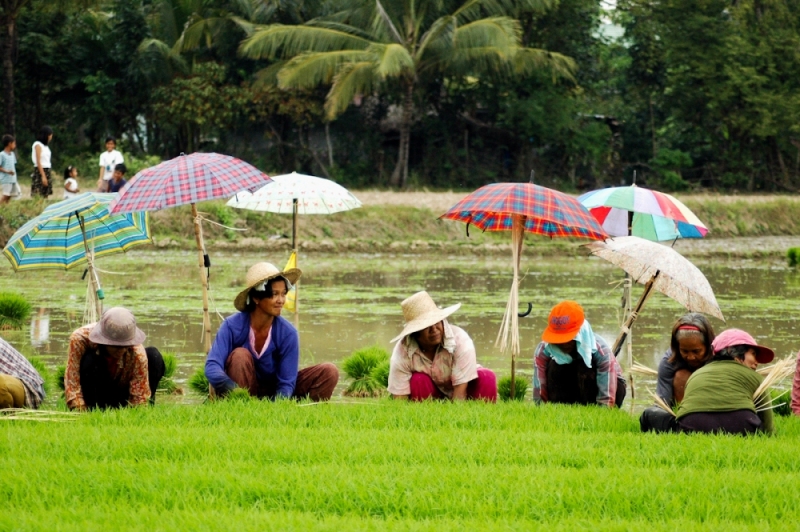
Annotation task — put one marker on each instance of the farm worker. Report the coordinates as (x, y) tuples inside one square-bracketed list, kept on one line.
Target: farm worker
[(107, 366), (719, 396), (690, 350), (796, 388), (257, 349), (435, 359), (573, 364), (21, 386)]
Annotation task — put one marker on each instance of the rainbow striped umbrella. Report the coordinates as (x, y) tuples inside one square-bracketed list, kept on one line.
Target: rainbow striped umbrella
[(62, 235), (651, 215)]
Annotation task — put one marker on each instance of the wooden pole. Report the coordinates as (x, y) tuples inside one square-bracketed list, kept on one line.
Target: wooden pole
[(294, 223), (515, 328), (92, 272), (294, 249), (202, 263), (648, 288)]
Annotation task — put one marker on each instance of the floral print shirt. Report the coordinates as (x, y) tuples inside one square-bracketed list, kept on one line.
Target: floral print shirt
[(455, 362), (131, 369)]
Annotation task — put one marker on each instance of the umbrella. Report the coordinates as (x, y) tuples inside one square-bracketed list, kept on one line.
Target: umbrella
[(659, 268), (521, 207), (642, 212), (190, 179), (60, 237), (297, 194)]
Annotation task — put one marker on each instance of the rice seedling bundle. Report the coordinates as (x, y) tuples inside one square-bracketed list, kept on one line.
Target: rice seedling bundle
[(14, 310), (520, 388)]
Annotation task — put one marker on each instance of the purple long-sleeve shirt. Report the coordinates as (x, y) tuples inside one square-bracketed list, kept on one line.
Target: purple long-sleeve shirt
[(278, 364)]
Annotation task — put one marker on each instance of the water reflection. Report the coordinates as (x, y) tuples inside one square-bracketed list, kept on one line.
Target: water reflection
[(350, 302)]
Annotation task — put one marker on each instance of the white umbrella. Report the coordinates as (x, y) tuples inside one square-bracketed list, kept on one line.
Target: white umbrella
[(297, 194), (659, 268)]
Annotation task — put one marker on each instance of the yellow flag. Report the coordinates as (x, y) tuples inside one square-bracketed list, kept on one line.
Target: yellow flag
[(291, 297)]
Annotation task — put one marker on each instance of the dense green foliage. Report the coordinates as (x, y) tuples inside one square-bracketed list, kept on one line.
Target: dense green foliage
[(390, 466), (688, 94), (14, 310)]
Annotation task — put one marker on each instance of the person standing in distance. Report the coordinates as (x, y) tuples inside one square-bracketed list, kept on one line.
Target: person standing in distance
[(109, 159)]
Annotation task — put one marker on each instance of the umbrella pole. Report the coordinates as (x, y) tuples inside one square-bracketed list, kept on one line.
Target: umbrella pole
[(634, 314), (201, 251), (92, 271), (510, 323), (294, 223)]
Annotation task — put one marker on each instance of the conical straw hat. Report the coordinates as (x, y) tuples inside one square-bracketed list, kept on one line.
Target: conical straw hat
[(261, 272), (420, 312)]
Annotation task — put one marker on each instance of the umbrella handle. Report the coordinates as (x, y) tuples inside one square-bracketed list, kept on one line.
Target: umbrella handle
[(523, 314)]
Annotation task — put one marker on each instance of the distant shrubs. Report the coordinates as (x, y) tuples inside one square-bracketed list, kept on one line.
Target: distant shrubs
[(793, 254), (14, 310), (520, 388), (360, 366)]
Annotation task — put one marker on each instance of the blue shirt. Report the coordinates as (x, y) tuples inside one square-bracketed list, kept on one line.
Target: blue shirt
[(8, 161), (113, 186), (278, 364)]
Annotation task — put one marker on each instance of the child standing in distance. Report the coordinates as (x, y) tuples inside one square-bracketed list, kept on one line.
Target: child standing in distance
[(8, 170), (41, 180), (71, 188), (118, 180), (109, 159)]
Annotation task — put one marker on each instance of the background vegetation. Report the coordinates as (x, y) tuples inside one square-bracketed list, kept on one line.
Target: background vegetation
[(689, 94)]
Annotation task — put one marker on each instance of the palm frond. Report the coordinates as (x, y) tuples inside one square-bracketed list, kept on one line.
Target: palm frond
[(503, 33), (310, 69), (440, 33), (352, 79), (392, 59), (528, 60), (384, 20), (266, 43), (474, 9), (268, 76)]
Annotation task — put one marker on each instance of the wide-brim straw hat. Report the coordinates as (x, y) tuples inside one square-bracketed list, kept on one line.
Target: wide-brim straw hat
[(117, 327), (262, 272), (420, 312)]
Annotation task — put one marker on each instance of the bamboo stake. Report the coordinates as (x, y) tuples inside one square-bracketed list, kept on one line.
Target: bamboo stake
[(648, 288), (95, 280), (639, 368), (509, 327), (202, 257)]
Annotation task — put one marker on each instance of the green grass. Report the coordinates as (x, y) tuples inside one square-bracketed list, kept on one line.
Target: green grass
[(386, 465)]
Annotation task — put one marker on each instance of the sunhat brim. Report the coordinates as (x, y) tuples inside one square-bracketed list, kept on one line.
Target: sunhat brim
[(552, 337), (425, 321), (96, 336), (291, 275), (764, 355)]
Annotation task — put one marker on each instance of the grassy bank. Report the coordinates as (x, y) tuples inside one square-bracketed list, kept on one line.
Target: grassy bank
[(383, 465), (408, 222)]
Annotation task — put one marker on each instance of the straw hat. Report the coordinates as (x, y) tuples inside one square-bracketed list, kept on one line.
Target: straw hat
[(117, 327), (420, 312), (259, 273)]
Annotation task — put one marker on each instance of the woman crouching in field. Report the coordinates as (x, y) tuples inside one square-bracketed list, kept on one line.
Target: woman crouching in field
[(435, 359), (574, 365), (258, 350), (690, 350), (719, 396)]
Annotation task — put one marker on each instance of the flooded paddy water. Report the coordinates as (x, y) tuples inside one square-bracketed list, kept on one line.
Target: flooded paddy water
[(349, 302)]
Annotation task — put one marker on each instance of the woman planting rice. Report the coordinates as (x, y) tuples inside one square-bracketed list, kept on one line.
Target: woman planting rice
[(719, 396), (435, 359), (690, 350), (573, 364), (257, 349)]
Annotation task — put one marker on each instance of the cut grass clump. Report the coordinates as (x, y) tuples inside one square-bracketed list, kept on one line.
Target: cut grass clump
[(520, 388), (14, 310), (359, 367)]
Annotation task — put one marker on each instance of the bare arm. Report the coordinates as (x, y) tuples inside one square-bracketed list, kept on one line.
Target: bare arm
[(460, 392), (38, 150)]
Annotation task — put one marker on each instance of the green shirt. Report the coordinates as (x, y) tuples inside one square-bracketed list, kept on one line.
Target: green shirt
[(723, 386)]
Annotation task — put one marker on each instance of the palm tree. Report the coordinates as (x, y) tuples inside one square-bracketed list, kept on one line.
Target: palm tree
[(363, 50)]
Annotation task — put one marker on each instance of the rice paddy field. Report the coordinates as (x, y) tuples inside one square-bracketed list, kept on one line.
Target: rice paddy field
[(384, 465)]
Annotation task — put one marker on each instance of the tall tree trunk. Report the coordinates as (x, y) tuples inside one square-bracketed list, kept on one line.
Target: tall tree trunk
[(10, 38), (400, 174)]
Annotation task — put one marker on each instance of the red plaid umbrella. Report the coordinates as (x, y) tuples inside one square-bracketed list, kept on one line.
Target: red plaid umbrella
[(520, 207), (190, 179)]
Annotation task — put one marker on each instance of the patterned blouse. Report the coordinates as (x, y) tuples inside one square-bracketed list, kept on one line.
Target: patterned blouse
[(131, 369)]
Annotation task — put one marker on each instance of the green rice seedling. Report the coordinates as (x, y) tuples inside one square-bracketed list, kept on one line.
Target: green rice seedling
[(380, 374), (167, 384), (793, 255), (198, 382), (61, 372), (14, 310), (520, 388), (783, 399), (359, 366), (40, 368), (239, 395)]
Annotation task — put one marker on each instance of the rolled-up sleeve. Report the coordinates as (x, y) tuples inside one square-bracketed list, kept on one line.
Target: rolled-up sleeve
[(399, 370), (215, 363)]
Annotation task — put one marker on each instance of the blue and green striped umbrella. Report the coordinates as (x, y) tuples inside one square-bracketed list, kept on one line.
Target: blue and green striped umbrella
[(55, 238)]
